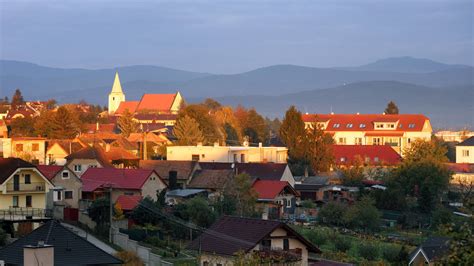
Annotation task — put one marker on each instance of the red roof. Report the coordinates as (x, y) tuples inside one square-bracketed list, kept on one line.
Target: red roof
[(128, 202), (461, 167), (269, 189), (130, 105), (156, 102), (346, 154), (91, 128), (365, 122), (49, 171), (95, 178)]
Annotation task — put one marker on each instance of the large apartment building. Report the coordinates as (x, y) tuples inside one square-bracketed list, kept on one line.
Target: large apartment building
[(398, 131)]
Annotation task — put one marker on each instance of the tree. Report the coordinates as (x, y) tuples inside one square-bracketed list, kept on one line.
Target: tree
[(22, 127), (199, 212), (392, 108), (246, 197), (210, 131), (42, 124), (232, 137), (143, 213), (187, 131), (293, 134), (17, 99), (99, 211), (51, 104), (354, 174), (332, 213), (319, 149), (212, 104), (126, 124), (421, 150), (461, 246), (363, 214), (64, 124)]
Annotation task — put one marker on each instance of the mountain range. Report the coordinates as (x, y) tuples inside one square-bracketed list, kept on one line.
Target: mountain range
[(417, 85)]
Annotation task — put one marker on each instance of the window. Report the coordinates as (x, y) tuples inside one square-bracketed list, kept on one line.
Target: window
[(411, 125), (286, 244), (400, 126), (195, 157), (379, 126), (68, 194), (367, 159), (266, 243), (93, 166), (391, 125), (358, 141), (362, 125), (349, 125), (77, 168), (343, 159), (128, 193), (376, 141), (28, 201), (15, 201), (58, 195), (465, 153), (203, 156), (242, 158), (336, 125), (27, 179), (342, 140), (376, 159), (35, 147), (65, 174), (288, 203), (19, 147), (409, 140), (235, 158)]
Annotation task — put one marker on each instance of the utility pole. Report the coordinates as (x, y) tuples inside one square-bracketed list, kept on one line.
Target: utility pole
[(110, 213)]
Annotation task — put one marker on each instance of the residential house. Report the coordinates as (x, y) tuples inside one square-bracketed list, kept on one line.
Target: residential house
[(144, 119), (54, 244), (58, 150), (32, 149), (3, 129), (220, 244), (150, 142), (397, 131), (337, 193), (22, 185), (430, 252), (463, 174), (380, 155), (98, 182), (184, 170), (181, 195), (128, 202), (454, 136), (88, 157), (67, 185), (262, 171), (276, 199), (227, 154), (465, 151), (215, 181), (149, 103)]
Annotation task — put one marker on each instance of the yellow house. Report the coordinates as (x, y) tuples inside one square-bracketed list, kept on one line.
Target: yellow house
[(58, 150), (465, 151), (22, 185), (398, 131), (32, 149)]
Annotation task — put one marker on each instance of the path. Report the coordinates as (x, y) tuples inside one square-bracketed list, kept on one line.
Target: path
[(92, 239)]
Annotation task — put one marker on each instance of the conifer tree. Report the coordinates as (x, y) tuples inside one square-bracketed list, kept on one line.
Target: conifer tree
[(319, 149), (126, 124), (292, 133), (392, 108), (17, 99), (64, 124), (187, 131)]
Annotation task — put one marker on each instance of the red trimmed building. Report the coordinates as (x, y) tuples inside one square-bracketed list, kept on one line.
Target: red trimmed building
[(382, 155), (397, 131), (275, 198)]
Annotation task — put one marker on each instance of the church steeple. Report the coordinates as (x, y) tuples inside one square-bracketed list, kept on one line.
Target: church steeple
[(116, 96)]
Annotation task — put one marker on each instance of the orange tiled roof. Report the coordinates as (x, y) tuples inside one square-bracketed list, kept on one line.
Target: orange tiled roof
[(130, 105), (156, 102), (365, 122)]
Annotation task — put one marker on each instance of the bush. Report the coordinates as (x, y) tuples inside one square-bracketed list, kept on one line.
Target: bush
[(368, 251), (129, 258), (342, 244), (391, 253), (317, 237)]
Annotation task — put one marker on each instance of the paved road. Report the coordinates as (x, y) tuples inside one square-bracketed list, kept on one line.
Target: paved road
[(98, 243)]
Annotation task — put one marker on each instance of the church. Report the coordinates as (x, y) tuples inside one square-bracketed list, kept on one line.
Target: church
[(150, 104)]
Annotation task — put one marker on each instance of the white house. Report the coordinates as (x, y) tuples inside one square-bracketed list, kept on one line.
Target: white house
[(465, 151)]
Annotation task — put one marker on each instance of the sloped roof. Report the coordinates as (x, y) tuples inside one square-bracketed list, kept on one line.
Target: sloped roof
[(128, 202), (67, 145), (94, 153), (156, 117), (230, 235), (49, 171), (211, 179), (119, 153), (9, 165), (156, 102), (69, 248), (368, 120), (264, 171), (150, 137), (433, 248), (467, 142), (461, 167), (347, 154), (91, 128), (130, 105), (94, 178), (162, 167), (270, 189)]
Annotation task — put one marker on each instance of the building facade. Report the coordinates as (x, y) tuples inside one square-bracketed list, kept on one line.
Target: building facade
[(465, 151), (32, 149)]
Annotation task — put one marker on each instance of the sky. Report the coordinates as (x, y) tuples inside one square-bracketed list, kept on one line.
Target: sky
[(234, 36)]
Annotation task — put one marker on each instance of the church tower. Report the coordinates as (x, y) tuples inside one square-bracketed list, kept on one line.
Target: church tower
[(116, 96)]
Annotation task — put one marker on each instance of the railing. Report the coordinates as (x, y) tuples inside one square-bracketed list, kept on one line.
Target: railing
[(393, 144), (24, 213), (31, 187)]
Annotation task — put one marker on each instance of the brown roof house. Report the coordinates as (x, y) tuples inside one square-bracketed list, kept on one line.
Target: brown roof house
[(88, 157), (67, 185), (231, 237), (57, 150)]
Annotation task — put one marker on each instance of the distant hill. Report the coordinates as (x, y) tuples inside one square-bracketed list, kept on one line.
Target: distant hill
[(405, 64), (446, 108)]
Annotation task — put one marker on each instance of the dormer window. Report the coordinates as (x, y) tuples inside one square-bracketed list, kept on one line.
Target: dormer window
[(391, 125), (379, 126), (349, 125), (336, 125), (362, 125), (400, 126), (411, 126)]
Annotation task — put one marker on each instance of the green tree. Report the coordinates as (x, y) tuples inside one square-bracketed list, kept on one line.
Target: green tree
[(199, 212), (319, 149), (187, 131), (421, 150), (42, 124), (392, 108), (353, 175), (293, 134), (212, 104), (245, 196), (363, 214), (22, 127), (232, 137), (207, 124), (143, 213), (255, 128), (332, 213), (126, 124), (64, 124), (99, 211), (17, 99), (461, 245)]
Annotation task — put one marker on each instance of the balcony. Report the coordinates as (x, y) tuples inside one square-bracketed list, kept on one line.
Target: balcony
[(24, 214), (31, 187)]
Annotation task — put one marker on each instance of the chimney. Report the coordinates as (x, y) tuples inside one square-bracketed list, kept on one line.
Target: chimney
[(383, 113), (173, 180), (332, 113), (260, 145), (107, 147), (40, 254), (97, 126), (358, 113)]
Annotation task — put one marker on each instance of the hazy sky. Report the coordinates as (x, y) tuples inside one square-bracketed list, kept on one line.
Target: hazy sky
[(233, 36)]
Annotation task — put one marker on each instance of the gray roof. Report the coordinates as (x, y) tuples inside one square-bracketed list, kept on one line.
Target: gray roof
[(467, 142), (69, 248), (434, 248), (183, 193)]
